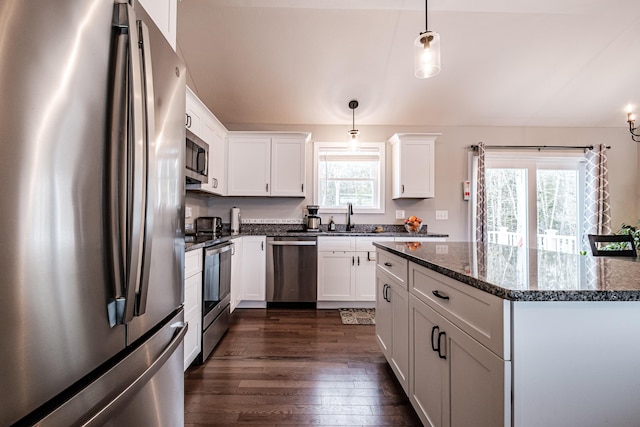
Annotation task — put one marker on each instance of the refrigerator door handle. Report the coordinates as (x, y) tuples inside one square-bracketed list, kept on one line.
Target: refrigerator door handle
[(149, 173), (117, 207), (134, 183)]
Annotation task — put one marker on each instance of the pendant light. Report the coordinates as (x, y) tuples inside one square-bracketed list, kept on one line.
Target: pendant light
[(426, 51), (354, 134)]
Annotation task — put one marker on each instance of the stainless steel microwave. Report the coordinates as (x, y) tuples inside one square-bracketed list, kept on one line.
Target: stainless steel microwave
[(196, 160)]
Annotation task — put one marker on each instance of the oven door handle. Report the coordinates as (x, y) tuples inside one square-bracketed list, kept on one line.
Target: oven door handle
[(218, 249), (293, 243)]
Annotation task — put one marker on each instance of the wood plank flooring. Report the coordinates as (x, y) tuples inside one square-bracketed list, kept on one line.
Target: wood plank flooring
[(295, 367)]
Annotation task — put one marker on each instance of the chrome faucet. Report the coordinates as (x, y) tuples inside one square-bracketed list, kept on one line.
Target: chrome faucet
[(349, 213)]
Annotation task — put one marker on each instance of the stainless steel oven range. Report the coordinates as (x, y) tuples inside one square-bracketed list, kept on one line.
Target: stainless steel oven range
[(216, 290)]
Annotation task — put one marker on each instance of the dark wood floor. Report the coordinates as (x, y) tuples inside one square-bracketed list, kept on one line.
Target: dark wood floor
[(283, 367)]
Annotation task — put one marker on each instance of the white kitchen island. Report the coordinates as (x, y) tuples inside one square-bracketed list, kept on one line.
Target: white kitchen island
[(505, 336)]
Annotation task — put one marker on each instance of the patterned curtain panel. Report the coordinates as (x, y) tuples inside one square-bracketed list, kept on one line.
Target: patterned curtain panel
[(597, 206), (481, 197)]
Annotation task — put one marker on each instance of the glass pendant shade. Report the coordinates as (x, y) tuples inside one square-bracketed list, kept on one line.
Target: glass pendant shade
[(354, 139), (426, 54)]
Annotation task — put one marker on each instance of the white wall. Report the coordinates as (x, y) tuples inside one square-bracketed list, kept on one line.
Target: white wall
[(451, 169)]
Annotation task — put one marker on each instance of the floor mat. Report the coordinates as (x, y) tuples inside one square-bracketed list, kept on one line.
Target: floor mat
[(358, 316)]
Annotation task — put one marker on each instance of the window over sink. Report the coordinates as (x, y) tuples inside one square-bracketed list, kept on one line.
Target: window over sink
[(344, 175)]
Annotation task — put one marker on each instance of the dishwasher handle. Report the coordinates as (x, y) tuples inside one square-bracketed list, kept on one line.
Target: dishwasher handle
[(292, 243)]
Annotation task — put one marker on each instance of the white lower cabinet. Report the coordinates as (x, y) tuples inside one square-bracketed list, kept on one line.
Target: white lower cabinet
[(336, 276), (446, 342), (236, 272), (392, 314), (454, 380), (347, 268), (192, 304), (254, 268)]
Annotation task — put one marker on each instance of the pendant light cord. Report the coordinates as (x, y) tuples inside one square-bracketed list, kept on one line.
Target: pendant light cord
[(426, 17)]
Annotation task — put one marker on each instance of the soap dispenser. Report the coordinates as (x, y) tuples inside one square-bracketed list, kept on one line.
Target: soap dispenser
[(332, 224)]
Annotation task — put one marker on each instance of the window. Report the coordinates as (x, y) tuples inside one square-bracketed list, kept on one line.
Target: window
[(345, 176), (535, 202)]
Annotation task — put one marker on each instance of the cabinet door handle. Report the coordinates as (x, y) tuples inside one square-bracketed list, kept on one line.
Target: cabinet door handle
[(353, 260), (439, 295), (188, 124), (262, 246), (385, 293), (403, 188), (266, 187), (441, 353), (358, 260), (433, 335), (215, 182), (302, 188), (388, 264)]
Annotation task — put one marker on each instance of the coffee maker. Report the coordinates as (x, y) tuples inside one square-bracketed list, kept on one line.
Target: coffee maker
[(313, 221)]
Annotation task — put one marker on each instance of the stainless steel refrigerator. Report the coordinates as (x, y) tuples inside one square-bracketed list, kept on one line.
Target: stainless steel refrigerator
[(92, 102)]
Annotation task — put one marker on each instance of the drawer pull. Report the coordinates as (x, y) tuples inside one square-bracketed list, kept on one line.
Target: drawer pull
[(388, 264), (439, 295)]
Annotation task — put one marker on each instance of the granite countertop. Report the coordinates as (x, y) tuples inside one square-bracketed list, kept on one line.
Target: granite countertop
[(203, 243), (521, 274), (296, 230)]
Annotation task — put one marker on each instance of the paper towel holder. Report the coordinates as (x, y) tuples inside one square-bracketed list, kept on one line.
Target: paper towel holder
[(235, 220)]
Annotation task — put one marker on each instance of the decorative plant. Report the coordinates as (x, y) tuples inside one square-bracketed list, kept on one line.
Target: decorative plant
[(634, 231)]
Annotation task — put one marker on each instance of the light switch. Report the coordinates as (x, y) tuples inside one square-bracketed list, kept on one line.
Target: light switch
[(442, 214), (399, 214), (187, 212)]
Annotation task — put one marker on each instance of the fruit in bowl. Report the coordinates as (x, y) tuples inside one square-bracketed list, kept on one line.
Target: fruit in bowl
[(413, 224), (412, 246)]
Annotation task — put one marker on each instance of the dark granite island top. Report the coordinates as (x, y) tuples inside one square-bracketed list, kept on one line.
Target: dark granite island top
[(522, 274)]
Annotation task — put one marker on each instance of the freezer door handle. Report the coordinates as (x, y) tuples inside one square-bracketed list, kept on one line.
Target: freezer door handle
[(149, 173), (107, 412)]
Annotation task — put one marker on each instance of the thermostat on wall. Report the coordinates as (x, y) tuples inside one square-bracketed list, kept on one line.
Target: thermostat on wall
[(466, 190)]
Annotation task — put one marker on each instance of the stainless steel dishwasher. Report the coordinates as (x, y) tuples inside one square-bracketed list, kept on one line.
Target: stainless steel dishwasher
[(292, 268)]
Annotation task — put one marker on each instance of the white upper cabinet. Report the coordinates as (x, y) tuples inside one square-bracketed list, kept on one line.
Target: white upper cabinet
[(266, 164), (249, 166), (206, 126), (194, 114), (216, 136), (288, 167), (164, 14), (412, 157)]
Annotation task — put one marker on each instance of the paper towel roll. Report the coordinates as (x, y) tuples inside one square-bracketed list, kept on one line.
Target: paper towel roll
[(235, 220)]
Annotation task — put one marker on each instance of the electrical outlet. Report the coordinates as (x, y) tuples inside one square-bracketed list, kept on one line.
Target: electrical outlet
[(442, 214), (442, 249), (187, 212), (399, 214)]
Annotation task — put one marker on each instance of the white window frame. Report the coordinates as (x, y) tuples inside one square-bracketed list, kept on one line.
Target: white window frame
[(532, 162), (380, 146)]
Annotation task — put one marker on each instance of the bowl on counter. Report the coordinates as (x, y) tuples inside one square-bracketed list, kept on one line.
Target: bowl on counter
[(413, 224)]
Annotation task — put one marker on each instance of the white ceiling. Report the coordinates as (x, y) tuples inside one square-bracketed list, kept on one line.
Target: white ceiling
[(504, 62)]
